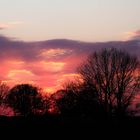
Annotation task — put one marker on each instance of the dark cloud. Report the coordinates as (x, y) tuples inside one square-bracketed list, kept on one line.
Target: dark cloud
[(57, 50), (31, 51), (2, 28)]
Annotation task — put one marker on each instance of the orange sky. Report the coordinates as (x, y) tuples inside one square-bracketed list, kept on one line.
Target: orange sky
[(50, 75)]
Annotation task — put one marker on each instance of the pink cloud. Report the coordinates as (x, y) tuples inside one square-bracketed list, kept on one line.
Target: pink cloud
[(134, 35)]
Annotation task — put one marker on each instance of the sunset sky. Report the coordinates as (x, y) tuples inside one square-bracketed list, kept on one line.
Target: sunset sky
[(23, 23)]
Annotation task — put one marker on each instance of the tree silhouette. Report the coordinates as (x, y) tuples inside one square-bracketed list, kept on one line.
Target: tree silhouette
[(46, 105), (113, 75), (67, 103), (25, 99), (3, 92), (76, 100)]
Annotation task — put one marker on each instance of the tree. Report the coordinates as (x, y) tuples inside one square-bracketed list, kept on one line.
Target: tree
[(75, 100), (3, 92), (25, 99), (113, 75), (46, 105), (68, 98)]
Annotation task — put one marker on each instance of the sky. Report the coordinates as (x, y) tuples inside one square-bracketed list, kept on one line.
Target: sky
[(86, 20), (49, 64)]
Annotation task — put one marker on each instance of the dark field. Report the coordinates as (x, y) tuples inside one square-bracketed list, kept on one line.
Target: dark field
[(70, 127)]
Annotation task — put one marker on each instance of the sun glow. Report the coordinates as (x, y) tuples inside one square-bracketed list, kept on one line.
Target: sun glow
[(14, 73)]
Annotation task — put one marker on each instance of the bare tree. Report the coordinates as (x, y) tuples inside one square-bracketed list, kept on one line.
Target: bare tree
[(113, 75)]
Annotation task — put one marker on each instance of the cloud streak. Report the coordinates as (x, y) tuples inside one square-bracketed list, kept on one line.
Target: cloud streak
[(135, 35), (8, 25), (3, 26)]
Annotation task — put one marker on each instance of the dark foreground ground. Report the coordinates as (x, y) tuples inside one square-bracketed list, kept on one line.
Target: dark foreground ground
[(70, 127)]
